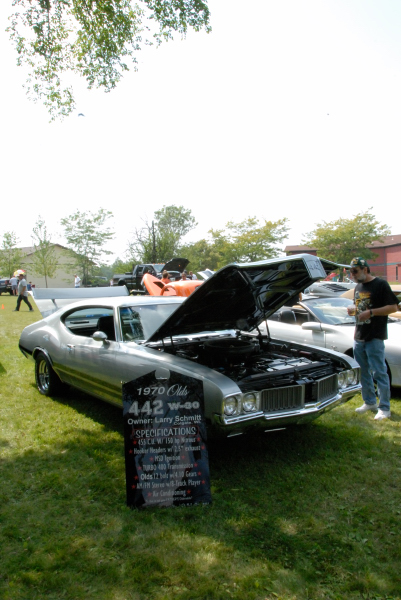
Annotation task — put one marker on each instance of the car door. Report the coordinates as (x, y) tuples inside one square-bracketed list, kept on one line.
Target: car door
[(296, 333), (89, 364)]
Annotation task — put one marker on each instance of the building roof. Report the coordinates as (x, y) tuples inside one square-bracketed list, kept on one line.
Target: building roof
[(389, 240), (31, 249), (299, 249)]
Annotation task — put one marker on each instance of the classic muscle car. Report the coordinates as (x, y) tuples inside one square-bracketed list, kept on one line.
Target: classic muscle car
[(250, 381)]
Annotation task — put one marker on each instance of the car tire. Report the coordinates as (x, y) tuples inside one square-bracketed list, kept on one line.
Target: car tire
[(47, 381)]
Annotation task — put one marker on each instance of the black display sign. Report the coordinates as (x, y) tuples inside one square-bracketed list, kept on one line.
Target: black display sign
[(166, 459)]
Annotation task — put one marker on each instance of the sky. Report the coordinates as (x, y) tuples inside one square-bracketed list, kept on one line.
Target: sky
[(287, 108)]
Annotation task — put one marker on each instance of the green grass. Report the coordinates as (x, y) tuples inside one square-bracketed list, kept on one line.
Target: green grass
[(307, 513)]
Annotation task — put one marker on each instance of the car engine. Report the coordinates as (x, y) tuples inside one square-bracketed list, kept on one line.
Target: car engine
[(255, 362)]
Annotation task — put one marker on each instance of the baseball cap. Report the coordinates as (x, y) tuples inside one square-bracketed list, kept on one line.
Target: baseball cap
[(358, 261)]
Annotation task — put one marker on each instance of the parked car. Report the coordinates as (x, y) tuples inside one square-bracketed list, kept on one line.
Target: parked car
[(324, 322), (329, 288), (155, 287), (250, 381), (133, 280), (96, 281), (5, 286)]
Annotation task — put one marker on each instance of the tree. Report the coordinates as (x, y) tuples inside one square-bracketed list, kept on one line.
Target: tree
[(11, 257), (204, 254), (251, 240), (247, 241), (121, 266), (342, 239), (44, 260), (86, 234), (160, 240), (92, 38)]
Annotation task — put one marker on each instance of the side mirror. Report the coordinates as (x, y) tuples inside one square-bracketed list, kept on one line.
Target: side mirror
[(312, 326), (100, 336)]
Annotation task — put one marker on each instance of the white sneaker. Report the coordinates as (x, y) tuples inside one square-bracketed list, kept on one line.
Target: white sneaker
[(382, 414), (365, 407)]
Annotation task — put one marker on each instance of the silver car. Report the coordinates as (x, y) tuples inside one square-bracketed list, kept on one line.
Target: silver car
[(250, 381), (328, 289), (324, 322)]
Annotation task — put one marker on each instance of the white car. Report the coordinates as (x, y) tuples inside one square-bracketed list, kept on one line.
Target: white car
[(324, 322)]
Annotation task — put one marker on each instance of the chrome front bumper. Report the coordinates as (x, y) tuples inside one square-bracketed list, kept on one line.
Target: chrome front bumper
[(231, 426)]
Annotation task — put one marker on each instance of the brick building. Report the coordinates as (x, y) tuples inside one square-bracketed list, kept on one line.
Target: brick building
[(387, 263)]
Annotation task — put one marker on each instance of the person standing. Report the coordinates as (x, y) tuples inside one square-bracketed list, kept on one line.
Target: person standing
[(374, 300), (22, 293), (14, 285), (165, 278), (77, 281)]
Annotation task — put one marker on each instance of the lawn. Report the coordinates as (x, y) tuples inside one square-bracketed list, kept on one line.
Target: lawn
[(307, 513)]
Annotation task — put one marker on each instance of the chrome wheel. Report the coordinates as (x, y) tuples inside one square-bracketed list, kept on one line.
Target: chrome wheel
[(43, 376), (47, 380)]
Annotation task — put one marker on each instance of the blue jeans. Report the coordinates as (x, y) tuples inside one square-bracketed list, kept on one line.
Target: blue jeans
[(370, 357)]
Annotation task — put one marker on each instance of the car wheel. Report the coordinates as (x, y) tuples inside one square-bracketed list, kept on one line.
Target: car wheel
[(47, 382)]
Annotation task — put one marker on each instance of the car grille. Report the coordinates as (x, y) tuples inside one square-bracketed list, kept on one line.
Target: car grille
[(283, 398), (325, 388), (293, 397)]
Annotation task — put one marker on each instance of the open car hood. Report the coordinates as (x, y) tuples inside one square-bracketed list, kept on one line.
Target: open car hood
[(241, 296), (176, 264)]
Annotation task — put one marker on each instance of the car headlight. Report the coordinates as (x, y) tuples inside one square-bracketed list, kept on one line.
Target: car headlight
[(249, 402), (231, 406), (352, 377), (342, 379)]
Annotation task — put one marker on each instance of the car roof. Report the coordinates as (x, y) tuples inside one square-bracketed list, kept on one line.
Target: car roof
[(58, 298)]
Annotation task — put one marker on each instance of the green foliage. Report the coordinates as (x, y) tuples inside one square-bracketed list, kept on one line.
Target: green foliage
[(247, 241), (44, 260), (86, 234), (160, 240), (92, 38), (121, 266), (250, 241), (104, 270), (342, 239), (11, 257), (202, 255)]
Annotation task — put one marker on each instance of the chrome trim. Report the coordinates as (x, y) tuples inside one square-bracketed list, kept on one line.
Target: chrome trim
[(309, 412), (283, 398)]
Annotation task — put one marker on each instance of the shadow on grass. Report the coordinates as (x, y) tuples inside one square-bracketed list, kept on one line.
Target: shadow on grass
[(293, 512)]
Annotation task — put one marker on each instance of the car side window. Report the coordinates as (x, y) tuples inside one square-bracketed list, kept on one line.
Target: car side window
[(85, 321), (131, 326)]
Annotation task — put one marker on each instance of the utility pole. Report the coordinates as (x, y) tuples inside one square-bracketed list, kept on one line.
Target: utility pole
[(154, 243)]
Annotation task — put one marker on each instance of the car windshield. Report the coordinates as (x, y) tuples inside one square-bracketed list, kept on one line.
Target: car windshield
[(138, 323), (332, 311)]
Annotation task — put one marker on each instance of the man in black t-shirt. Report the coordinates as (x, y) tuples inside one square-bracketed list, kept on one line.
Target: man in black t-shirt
[(374, 300)]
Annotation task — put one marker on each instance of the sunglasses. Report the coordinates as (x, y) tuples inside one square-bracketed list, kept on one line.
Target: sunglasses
[(354, 271)]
